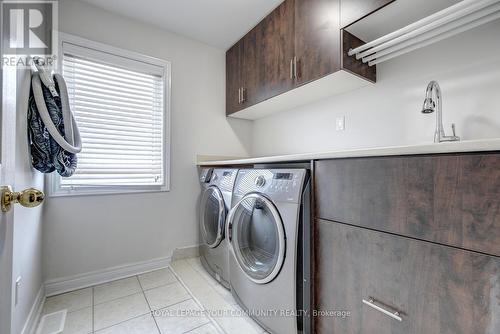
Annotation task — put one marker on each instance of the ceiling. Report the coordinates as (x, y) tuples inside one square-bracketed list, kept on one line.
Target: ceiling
[(219, 23)]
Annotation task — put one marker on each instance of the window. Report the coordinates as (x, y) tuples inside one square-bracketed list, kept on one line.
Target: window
[(119, 100)]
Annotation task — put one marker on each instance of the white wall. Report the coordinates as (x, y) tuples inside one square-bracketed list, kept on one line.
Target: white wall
[(388, 113), (83, 234)]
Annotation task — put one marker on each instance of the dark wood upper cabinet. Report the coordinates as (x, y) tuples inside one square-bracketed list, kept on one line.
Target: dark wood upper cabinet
[(354, 10), (276, 50), (250, 81), (242, 80), (317, 39), (435, 288), (448, 199), (233, 78), (299, 42)]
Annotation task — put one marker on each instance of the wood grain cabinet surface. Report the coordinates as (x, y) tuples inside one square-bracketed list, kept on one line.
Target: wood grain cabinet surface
[(317, 39), (276, 49), (448, 199), (436, 289), (249, 80), (233, 77)]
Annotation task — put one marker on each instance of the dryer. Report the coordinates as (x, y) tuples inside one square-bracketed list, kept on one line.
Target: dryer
[(265, 231), (217, 187)]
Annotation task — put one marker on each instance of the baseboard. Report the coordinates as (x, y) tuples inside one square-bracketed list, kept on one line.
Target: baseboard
[(71, 283), (35, 312), (186, 252)]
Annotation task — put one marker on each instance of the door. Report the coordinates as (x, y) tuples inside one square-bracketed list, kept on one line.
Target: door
[(275, 38), (213, 216), (7, 167), (257, 238), (20, 227), (317, 39)]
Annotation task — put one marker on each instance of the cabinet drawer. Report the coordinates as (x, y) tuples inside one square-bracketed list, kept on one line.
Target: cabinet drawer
[(448, 199), (436, 289)]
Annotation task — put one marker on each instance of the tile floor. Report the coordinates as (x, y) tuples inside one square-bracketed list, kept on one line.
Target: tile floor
[(165, 301)]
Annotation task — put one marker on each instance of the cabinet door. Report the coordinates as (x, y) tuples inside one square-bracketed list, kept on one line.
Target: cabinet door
[(249, 69), (436, 289), (317, 39), (276, 50), (233, 82), (354, 10), (448, 199)]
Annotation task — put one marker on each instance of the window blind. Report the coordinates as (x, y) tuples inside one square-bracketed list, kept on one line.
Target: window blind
[(120, 113)]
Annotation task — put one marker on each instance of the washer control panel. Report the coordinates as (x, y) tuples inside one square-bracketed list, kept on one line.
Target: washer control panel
[(284, 182)]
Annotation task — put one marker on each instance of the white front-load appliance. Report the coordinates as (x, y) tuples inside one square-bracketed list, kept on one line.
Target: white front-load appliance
[(217, 187), (265, 232)]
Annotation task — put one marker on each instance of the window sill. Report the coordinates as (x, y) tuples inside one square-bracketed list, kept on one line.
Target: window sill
[(105, 191)]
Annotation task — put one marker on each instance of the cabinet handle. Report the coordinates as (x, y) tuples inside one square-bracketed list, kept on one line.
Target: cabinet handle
[(243, 95), (239, 95), (295, 67), (291, 68), (371, 302)]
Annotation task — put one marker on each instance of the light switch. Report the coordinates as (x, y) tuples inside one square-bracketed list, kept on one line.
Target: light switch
[(340, 123)]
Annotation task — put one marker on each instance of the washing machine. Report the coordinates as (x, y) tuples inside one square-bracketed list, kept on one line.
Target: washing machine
[(215, 201), (268, 255)]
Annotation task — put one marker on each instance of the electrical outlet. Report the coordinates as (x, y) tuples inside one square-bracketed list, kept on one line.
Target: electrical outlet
[(18, 287), (340, 123)]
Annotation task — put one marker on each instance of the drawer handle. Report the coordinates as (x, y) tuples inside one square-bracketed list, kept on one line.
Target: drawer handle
[(395, 315)]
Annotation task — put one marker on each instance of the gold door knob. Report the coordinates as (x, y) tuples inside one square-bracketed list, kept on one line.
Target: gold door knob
[(28, 198)]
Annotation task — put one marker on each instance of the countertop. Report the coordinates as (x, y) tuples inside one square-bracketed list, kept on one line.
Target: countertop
[(485, 145)]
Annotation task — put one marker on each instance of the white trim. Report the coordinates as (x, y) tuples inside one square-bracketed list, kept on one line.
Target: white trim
[(52, 180), (36, 311), (71, 283), (73, 39), (116, 59), (186, 252)]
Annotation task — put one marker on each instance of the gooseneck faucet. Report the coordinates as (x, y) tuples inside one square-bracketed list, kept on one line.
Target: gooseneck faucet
[(433, 103)]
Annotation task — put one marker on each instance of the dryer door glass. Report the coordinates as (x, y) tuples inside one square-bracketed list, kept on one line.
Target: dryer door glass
[(213, 216), (258, 238)]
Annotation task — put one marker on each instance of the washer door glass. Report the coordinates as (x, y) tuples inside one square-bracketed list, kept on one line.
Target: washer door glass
[(213, 216), (258, 238)]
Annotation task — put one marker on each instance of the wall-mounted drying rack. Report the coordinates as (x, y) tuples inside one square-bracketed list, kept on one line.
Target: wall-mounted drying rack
[(456, 19)]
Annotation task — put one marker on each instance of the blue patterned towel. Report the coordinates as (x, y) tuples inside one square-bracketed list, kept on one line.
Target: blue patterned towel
[(47, 155)]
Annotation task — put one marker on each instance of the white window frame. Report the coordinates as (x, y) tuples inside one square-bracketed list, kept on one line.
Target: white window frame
[(54, 179)]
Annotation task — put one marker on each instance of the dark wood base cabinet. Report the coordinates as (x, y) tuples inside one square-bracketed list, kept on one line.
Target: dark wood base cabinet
[(407, 245), (436, 289)]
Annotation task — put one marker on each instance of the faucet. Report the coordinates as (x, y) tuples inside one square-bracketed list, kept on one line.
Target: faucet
[(430, 106)]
